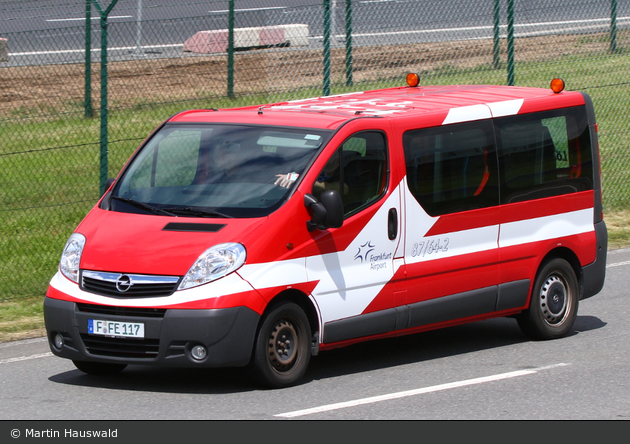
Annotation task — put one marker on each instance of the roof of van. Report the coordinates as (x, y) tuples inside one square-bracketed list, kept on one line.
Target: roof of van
[(456, 103)]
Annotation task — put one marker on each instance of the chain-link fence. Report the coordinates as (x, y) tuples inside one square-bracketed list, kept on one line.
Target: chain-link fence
[(71, 114)]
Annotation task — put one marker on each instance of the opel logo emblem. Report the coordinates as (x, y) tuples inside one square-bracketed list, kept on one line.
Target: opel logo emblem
[(123, 283)]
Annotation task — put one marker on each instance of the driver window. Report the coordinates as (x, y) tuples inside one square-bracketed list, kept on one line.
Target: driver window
[(357, 170)]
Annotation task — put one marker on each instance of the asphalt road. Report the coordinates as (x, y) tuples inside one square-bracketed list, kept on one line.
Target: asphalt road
[(40, 31), (482, 371)]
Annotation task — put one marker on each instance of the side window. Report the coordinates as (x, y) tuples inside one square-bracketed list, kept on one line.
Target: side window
[(357, 170), (544, 154), (452, 168)]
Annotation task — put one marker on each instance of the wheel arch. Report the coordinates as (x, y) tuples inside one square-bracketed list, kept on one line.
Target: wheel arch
[(554, 297), (568, 255), (301, 299)]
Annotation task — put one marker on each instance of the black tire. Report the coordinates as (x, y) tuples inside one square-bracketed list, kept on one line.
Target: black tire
[(99, 368), (282, 348), (554, 303)]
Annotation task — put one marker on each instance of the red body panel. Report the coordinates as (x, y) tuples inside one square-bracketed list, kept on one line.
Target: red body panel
[(120, 242)]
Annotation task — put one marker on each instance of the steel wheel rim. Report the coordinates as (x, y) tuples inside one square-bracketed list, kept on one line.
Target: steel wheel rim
[(555, 300), (283, 345)]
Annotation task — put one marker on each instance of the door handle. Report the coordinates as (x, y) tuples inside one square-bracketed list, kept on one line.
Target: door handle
[(392, 224)]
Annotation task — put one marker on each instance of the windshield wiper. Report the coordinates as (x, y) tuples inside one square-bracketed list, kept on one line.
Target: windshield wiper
[(143, 206), (196, 211)]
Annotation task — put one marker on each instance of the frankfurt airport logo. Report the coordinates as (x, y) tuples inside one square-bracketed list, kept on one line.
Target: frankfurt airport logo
[(377, 261), (364, 251)]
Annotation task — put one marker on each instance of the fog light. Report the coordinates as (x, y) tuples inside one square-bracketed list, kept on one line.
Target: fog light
[(199, 352), (58, 341)]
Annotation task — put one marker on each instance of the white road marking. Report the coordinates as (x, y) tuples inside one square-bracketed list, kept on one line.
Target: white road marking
[(579, 23), (83, 18), (21, 342), (25, 358), (71, 51), (618, 264), (271, 8), (420, 391)]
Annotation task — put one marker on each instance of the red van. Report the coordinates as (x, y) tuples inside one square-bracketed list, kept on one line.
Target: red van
[(263, 235)]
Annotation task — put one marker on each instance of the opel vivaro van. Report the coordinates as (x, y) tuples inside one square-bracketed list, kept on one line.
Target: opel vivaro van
[(264, 235)]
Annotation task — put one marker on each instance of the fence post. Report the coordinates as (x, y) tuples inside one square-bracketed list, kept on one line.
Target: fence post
[(138, 50), (613, 25), (510, 42), (89, 112), (496, 53), (103, 13), (230, 51), (326, 90), (348, 42)]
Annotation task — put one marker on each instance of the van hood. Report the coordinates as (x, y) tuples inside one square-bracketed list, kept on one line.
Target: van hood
[(159, 245)]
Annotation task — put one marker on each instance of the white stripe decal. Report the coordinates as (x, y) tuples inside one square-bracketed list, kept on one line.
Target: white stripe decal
[(230, 284), (506, 108), (545, 228), (485, 111), (349, 280), (275, 274), (467, 114)]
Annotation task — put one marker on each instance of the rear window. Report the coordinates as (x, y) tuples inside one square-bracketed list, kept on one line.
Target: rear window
[(544, 154)]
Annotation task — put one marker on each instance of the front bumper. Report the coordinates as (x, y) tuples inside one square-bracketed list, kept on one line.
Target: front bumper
[(228, 335)]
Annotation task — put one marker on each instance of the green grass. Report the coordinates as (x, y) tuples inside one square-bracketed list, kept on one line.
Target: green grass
[(21, 318), (50, 165)]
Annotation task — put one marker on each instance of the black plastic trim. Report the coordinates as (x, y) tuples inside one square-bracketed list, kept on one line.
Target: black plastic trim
[(447, 308), (195, 227), (228, 335), (594, 274), (513, 294)]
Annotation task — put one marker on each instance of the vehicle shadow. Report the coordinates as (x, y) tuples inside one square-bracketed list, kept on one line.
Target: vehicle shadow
[(427, 346), (362, 357)]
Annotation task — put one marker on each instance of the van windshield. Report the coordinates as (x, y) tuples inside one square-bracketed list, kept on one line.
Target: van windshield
[(216, 170)]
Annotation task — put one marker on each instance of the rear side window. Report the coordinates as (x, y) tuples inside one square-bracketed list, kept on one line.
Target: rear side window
[(452, 168), (544, 155)]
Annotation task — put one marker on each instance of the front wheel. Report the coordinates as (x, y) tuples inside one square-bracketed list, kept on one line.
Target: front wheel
[(554, 303), (282, 348)]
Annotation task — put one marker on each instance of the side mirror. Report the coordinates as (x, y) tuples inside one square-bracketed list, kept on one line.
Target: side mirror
[(327, 211)]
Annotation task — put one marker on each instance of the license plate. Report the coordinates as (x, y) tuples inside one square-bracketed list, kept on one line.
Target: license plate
[(116, 329)]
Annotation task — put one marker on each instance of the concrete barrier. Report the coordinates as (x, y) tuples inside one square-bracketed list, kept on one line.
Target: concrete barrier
[(4, 50), (216, 41)]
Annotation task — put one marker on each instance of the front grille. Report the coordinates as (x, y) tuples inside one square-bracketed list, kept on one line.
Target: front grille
[(106, 310), (121, 347), (128, 285)]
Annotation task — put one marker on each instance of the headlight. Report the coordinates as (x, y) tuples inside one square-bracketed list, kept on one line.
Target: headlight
[(71, 257), (214, 263)]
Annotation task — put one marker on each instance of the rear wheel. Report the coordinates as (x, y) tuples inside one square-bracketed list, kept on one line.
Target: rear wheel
[(554, 302), (282, 348), (99, 368)]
